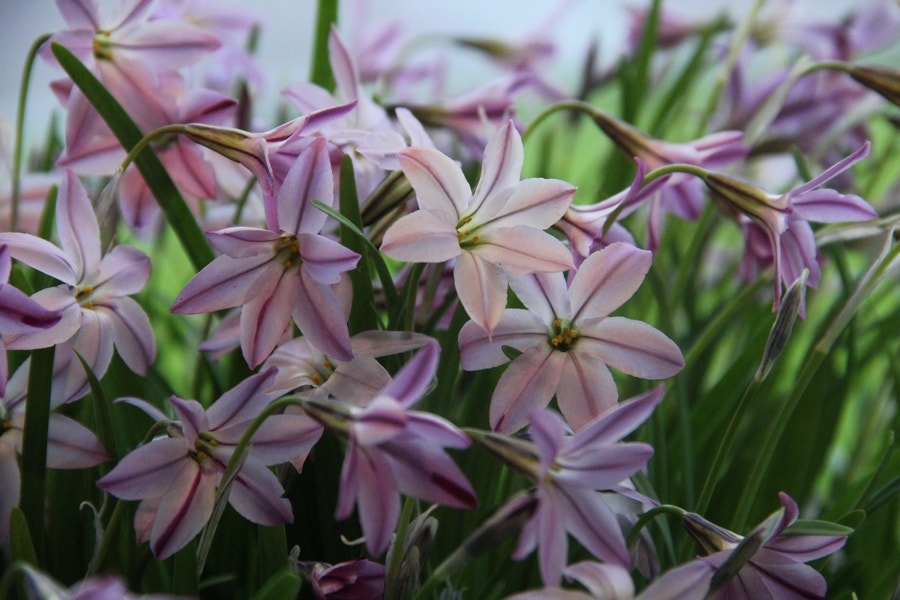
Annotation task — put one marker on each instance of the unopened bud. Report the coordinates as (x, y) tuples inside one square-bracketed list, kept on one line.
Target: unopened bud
[(882, 80), (248, 149), (791, 305)]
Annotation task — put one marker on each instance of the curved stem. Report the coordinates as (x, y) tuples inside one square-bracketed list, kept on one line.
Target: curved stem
[(145, 141), (648, 516), (20, 132), (390, 580), (578, 105)]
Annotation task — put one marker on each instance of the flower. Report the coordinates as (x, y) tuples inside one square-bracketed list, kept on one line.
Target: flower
[(176, 477), (603, 581), (392, 450), (283, 273), (496, 230), (567, 340), (93, 298), (784, 219), (358, 579), (568, 471), (768, 564), (681, 193)]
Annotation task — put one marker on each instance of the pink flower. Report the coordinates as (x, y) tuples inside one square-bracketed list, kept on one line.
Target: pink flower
[(283, 273), (567, 339), (771, 563), (392, 450), (496, 230), (176, 477), (93, 297), (784, 219), (569, 472)]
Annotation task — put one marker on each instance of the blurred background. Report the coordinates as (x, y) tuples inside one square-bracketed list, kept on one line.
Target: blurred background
[(284, 47)]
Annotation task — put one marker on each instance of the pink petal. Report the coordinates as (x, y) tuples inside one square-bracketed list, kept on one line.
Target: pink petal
[(529, 382), (517, 328), (318, 313), (414, 378), (122, 272), (242, 242), (535, 202), (224, 283), (41, 255), (383, 419), (243, 402), (310, 178), (617, 422), (544, 294), (265, 316), (586, 389), (76, 225), (132, 333), (553, 546), (523, 249), (425, 472), (79, 14), (94, 342), (184, 509), (830, 206), (632, 347), (192, 173), (192, 416), (501, 169), (481, 287), (343, 67), (592, 522), (324, 259), (423, 236), (257, 495), (147, 471), (438, 181), (71, 445), (163, 44), (606, 279)]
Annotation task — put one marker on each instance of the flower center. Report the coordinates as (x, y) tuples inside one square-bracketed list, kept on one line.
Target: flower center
[(562, 337), (322, 373), (103, 46), (287, 251), (465, 234), (204, 445), (82, 296)]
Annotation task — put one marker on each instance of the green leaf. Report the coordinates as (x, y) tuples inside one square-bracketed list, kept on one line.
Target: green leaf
[(170, 201), (362, 313), (20, 544), (34, 445), (384, 274), (102, 417), (320, 71), (272, 550), (816, 527), (285, 584)]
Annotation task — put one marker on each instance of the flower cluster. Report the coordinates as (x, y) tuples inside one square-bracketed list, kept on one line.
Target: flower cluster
[(393, 307)]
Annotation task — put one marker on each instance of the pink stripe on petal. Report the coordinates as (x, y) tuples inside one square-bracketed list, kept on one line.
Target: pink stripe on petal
[(184, 510)]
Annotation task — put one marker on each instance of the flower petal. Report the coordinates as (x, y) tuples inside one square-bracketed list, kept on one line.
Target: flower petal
[(633, 347), (257, 495), (423, 236), (76, 224), (606, 279), (184, 509), (131, 332), (501, 169), (147, 471), (310, 178), (529, 382), (438, 181), (586, 388), (481, 287), (325, 259), (524, 249), (71, 445)]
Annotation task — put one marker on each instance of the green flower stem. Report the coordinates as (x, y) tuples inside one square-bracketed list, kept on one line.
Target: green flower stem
[(577, 105), (231, 470), (145, 141), (393, 573), (20, 131), (819, 351), (648, 516)]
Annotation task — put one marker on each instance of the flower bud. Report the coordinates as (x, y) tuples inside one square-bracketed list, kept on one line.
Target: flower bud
[(248, 149), (791, 306), (882, 80)]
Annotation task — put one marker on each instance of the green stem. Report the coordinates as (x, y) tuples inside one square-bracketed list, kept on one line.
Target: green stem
[(578, 105), (241, 450), (648, 516), (145, 141), (393, 573), (20, 131), (819, 351)]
